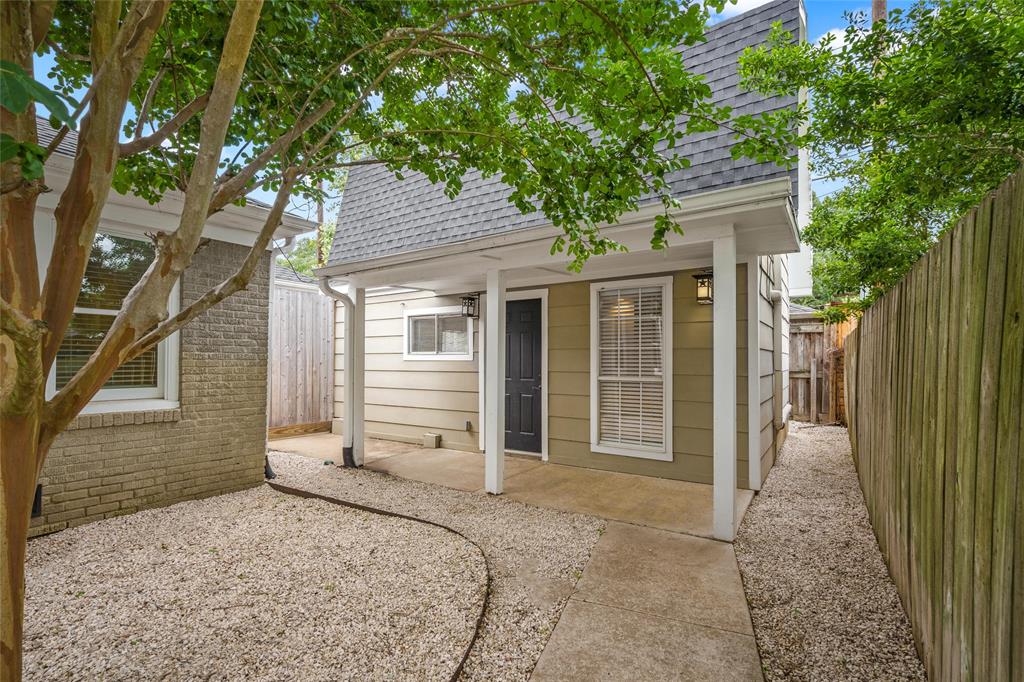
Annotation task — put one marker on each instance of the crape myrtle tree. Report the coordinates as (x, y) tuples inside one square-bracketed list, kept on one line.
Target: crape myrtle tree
[(919, 114), (213, 99)]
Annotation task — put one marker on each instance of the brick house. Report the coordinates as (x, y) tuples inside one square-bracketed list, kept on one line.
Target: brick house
[(185, 420)]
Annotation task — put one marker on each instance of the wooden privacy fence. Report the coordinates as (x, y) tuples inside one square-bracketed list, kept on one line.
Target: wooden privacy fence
[(301, 359), (816, 368), (934, 376)]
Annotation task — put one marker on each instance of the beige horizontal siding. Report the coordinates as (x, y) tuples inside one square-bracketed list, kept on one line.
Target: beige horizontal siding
[(407, 398), (569, 384)]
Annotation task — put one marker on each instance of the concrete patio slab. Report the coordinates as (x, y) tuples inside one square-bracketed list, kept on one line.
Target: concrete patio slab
[(667, 574), (678, 506), (450, 468), (597, 642), (326, 446)]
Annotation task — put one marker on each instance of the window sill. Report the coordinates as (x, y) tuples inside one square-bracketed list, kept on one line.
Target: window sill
[(106, 413), (631, 452), (439, 357)]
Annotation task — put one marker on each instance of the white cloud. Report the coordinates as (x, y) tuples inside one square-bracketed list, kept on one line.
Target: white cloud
[(838, 38), (731, 9)]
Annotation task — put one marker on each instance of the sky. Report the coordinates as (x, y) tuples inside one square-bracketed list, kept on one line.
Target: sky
[(823, 16)]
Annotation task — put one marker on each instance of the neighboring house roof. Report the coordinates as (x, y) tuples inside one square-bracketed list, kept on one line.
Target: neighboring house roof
[(797, 311), (67, 146), (381, 215), (283, 273)]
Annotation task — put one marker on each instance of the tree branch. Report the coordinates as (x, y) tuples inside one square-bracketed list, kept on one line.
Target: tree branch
[(42, 17), (228, 188), (117, 61), (233, 284), (146, 304), (26, 334), (618, 32), (141, 144), (147, 101)]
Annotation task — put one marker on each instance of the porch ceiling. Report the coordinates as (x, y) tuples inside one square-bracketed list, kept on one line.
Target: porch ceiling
[(760, 215)]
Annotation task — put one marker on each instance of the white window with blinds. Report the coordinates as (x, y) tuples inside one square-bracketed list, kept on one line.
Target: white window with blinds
[(631, 368), (437, 334), (116, 263)]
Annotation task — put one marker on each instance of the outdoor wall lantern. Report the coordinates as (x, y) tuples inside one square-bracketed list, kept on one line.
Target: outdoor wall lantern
[(705, 287), (470, 306)]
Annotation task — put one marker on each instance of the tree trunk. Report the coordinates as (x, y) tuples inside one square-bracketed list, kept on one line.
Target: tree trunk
[(20, 444)]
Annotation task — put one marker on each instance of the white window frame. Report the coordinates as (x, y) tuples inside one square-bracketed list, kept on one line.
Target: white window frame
[(453, 311), (125, 399), (645, 452)]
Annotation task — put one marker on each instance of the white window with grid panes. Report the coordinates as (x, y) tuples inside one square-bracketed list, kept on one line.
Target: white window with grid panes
[(149, 381), (437, 334), (631, 368)]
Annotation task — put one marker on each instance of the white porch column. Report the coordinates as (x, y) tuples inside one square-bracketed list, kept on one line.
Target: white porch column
[(753, 373), (348, 365), (494, 384), (358, 377), (724, 361)]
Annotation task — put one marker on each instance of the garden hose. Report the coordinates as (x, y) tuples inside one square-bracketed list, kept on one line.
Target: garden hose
[(298, 492)]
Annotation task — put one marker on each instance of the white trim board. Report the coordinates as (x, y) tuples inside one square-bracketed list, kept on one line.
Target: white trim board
[(162, 396), (522, 295), (449, 311), (753, 373)]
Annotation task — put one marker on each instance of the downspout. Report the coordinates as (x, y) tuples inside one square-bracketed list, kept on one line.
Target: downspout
[(348, 391)]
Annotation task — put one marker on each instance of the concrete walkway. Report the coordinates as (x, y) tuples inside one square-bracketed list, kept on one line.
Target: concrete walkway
[(658, 600), (654, 605)]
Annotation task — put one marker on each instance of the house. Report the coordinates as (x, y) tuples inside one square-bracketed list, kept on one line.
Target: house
[(631, 366), (186, 419)]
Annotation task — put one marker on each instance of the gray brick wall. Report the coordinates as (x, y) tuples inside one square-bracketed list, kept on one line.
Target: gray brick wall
[(111, 464)]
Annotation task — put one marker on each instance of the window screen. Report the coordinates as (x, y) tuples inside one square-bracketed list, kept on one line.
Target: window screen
[(115, 265), (630, 361), (438, 334)]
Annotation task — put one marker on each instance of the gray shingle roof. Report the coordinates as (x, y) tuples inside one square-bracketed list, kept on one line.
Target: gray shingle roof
[(381, 215), (46, 133), (283, 273)]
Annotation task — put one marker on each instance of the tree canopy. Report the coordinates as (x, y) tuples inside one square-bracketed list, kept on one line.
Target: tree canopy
[(920, 115)]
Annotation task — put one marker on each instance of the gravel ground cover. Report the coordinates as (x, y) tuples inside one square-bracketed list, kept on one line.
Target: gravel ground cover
[(256, 585), (536, 555), (822, 602)]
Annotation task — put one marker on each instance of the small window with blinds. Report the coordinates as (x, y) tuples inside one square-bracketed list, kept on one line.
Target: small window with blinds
[(438, 334), (116, 264), (631, 325)]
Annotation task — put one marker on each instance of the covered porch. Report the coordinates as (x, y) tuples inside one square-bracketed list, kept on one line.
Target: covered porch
[(725, 231), (677, 506)]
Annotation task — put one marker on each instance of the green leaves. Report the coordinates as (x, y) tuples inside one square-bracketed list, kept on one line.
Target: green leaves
[(918, 116), (581, 107), (18, 90)]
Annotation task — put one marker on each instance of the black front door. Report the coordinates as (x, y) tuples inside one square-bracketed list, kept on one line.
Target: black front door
[(522, 375)]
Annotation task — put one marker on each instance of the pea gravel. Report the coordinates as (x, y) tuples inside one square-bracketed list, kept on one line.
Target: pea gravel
[(536, 555), (256, 585), (820, 596)]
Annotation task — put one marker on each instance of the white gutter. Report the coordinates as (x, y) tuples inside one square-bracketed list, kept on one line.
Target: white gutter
[(348, 360)]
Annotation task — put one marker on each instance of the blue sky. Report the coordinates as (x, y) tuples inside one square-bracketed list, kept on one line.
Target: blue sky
[(823, 16)]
